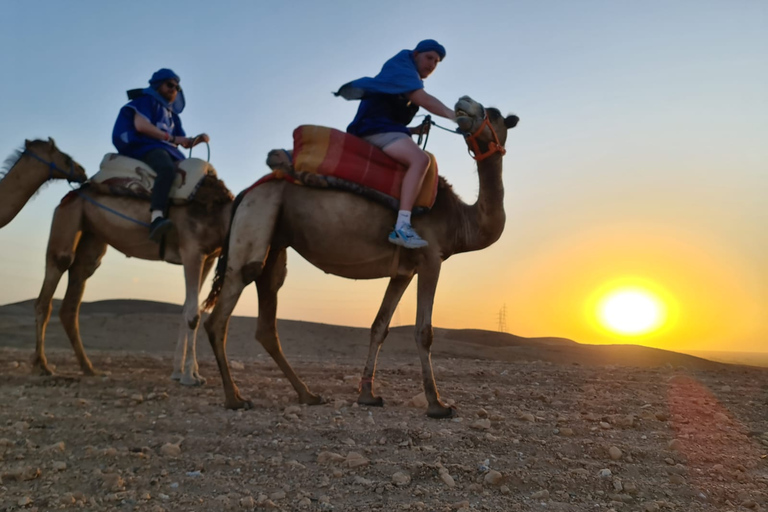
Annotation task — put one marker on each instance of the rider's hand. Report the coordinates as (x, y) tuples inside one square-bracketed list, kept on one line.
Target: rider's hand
[(203, 137), (184, 142)]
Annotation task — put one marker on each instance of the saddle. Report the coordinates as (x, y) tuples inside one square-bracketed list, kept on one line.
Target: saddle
[(124, 176), (328, 158)]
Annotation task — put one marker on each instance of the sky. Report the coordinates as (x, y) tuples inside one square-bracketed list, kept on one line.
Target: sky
[(640, 156)]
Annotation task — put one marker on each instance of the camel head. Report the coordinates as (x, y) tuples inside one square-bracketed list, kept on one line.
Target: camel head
[(485, 128), (62, 165)]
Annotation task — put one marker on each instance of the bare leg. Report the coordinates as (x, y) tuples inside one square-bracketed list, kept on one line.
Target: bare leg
[(65, 233), (428, 276), (185, 369), (268, 284), (87, 260), (379, 331), (409, 154)]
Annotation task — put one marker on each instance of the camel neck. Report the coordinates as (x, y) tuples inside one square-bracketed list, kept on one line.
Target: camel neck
[(488, 211), (21, 182)]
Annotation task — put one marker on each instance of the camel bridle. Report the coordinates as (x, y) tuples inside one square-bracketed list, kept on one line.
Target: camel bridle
[(70, 174), (493, 147)]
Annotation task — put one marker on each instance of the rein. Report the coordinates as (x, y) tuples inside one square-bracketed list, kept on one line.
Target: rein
[(474, 148), (53, 167)]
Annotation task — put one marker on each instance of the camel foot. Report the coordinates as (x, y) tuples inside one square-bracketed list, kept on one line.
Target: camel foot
[(40, 368), (440, 411), (237, 403), (194, 380), (176, 375), (92, 372), (310, 399), (370, 400)]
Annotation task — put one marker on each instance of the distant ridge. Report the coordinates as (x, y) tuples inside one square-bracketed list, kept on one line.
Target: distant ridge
[(149, 326)]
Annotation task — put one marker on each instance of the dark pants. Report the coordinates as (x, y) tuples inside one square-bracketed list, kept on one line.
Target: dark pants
[(165, 167)]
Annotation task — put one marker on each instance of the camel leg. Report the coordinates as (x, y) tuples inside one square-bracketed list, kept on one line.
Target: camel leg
[(379, 331), (216, 326), (267, 285), (428, 276), (65, 235), (88, 257), (185, 368)]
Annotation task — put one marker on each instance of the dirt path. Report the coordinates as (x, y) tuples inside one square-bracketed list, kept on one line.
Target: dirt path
[(530, 436)]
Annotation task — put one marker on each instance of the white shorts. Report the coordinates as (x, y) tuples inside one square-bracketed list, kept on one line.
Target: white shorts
[(382, 140)]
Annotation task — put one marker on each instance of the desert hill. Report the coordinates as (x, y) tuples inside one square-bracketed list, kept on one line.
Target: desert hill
[(146, 326)]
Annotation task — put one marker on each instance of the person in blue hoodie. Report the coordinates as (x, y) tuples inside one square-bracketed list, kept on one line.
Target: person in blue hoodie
[(148, 128), (389, 101)]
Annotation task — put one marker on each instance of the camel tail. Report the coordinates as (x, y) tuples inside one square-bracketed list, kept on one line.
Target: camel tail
[(221, 265)]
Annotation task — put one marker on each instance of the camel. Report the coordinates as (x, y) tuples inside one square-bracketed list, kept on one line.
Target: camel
[(88, 220), (41, 161), (346, 235)]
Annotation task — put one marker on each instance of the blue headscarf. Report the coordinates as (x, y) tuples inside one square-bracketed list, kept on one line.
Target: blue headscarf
[(398, 75), (160, 76)]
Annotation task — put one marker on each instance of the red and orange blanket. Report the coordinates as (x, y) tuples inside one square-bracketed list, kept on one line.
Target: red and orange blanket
[(330, 158)]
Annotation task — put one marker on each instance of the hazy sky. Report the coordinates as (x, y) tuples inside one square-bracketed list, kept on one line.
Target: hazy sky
[(641, 151)]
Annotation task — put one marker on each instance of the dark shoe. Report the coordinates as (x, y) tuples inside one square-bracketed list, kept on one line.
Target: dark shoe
[(159, 227)]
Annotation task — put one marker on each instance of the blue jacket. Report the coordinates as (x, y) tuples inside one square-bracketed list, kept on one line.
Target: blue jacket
[(131, 143)]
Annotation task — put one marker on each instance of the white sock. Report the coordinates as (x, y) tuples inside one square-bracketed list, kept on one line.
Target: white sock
[(156, 214), (403, 218)]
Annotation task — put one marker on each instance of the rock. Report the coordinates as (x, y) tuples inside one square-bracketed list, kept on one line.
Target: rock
[(170, 450), (248, 502), (447, 479), (605, 474), (674, 444), (482, 413), (526, 416), (277, 495), (324, 457), (113, 482), (540, 495), (305, 502), (461, 505), (355, 460), (481, 424), (566, 431), (236, 365), (401, 479), (419, 401), (614, 453), (492, 477), (58, 465)]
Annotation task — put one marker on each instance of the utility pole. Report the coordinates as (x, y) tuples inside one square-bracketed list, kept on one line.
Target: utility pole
[(503, 319)]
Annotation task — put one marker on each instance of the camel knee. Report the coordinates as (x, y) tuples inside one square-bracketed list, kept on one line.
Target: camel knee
[(424, 337), (62, 262), (251, 272), (193, 322)]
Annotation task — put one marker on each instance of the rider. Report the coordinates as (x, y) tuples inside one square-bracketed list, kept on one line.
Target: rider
[(148, 128), (390, 100)]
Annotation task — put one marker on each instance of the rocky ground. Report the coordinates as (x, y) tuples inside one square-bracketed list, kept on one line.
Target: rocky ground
[(529, 436)]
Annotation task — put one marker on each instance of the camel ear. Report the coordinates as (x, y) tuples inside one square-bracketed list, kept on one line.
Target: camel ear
[(511, 121), (51, 141), (27, 142)]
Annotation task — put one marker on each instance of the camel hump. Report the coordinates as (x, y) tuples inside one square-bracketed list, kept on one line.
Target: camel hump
[(124, 176)]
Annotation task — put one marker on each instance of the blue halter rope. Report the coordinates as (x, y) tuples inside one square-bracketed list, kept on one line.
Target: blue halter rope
[(53, 167)]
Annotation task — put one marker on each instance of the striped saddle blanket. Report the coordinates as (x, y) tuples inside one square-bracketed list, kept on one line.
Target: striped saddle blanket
[(346, 158)]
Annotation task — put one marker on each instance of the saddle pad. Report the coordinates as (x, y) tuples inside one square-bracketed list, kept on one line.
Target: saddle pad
[(330, 152), (123, 175)]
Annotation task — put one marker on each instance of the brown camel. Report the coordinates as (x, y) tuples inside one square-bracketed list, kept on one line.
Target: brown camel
[(28, 169), (89, 219), (346, 235)]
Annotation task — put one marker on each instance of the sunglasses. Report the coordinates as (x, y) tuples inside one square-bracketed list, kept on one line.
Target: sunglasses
[(173, 85)]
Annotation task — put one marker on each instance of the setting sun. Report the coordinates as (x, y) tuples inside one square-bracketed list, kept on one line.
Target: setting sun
[(631, 312)]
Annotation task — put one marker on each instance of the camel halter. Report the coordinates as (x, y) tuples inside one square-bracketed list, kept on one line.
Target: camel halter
[(493, 147), (53, 167)]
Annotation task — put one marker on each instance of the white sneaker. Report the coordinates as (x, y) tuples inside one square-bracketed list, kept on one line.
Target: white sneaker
[(407, 237)]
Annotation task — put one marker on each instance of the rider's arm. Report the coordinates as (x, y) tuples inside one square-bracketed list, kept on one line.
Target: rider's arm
[(145, 127), (425, 100)]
